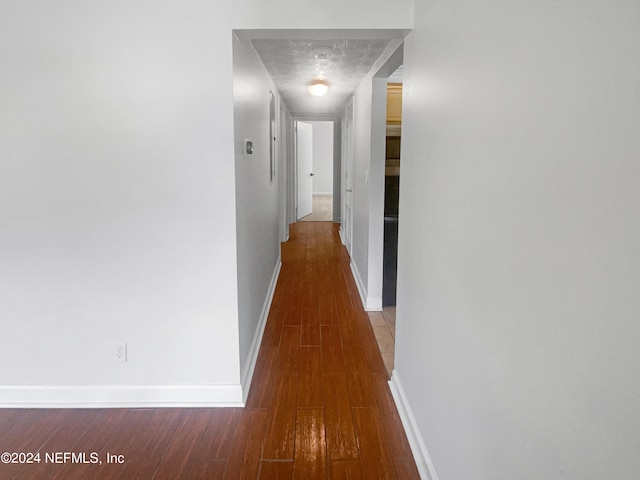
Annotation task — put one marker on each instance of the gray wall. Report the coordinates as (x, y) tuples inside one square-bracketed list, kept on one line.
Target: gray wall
[(258, 235), (519, 266)]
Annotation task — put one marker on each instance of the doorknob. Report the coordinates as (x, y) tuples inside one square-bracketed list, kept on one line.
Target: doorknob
[(311, 174), (349, 190)]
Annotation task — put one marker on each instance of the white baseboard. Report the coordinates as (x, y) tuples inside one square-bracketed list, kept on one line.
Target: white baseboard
[(323, 193), (120, 396), (341, 233), (370, 304), (252, 358), (359, 283), (420, 454), (373, 304)]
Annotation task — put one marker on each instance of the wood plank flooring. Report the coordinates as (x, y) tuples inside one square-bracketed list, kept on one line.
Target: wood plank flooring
[(319, 405)]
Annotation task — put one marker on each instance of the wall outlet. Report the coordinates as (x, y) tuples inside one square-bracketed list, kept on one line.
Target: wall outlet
[(120, 352)]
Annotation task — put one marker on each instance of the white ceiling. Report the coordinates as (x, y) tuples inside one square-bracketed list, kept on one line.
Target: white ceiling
[(343, 58)]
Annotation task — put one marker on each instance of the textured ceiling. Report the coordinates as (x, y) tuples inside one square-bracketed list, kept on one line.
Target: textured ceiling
[(294, 63)]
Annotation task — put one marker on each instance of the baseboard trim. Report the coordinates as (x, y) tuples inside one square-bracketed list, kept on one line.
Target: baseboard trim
[(120, 396), (361, 288), (247, 374), (420, 454), (370, 304)]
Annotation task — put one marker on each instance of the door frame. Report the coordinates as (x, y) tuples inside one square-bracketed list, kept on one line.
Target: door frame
[(285, 149), (376, 176), (304, 196), (346, 175), (292, 186)]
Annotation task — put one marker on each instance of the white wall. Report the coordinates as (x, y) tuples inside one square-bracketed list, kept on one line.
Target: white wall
[(519, 267), (368, 176), (118, 218), (360, 175), (257, 208), (322, 158), (330, 14), (117, 195)]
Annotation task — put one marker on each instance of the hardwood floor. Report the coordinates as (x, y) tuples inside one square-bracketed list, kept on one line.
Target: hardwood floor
[(319, 405)]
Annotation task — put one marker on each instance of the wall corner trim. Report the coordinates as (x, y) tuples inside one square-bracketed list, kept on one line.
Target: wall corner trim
[(421, 455), (247, 374)]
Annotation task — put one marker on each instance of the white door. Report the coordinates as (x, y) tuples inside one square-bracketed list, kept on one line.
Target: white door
[(348, 177), (304, 153)]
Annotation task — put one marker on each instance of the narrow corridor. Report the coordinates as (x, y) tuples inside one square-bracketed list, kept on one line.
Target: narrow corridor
[(320, 392)]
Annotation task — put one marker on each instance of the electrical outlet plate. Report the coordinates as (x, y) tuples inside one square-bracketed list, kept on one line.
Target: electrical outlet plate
[(120, 352)]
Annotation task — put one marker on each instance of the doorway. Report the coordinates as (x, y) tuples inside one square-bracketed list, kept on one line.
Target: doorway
[(390, 90), (392, 189), (315, 170)]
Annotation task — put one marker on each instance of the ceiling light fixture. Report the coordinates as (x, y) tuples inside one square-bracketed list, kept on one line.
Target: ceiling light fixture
[(318, 87)]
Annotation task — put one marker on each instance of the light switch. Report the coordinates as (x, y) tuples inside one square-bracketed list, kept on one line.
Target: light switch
[(248, 147)]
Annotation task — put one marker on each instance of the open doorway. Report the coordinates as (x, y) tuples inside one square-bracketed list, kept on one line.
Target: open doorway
[(384, 322), (315, 170), (392, 190)]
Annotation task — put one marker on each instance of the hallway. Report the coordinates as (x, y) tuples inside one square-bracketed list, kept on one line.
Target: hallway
[(319, 406), (320, 377)]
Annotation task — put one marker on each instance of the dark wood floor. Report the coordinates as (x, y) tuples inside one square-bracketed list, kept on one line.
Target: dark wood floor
[(319, 405)]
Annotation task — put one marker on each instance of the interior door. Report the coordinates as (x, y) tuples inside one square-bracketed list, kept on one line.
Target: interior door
[(304, 154), (348, 177)]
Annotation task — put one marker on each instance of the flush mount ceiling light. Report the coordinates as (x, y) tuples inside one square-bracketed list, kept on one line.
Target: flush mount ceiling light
[(318, 87)]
